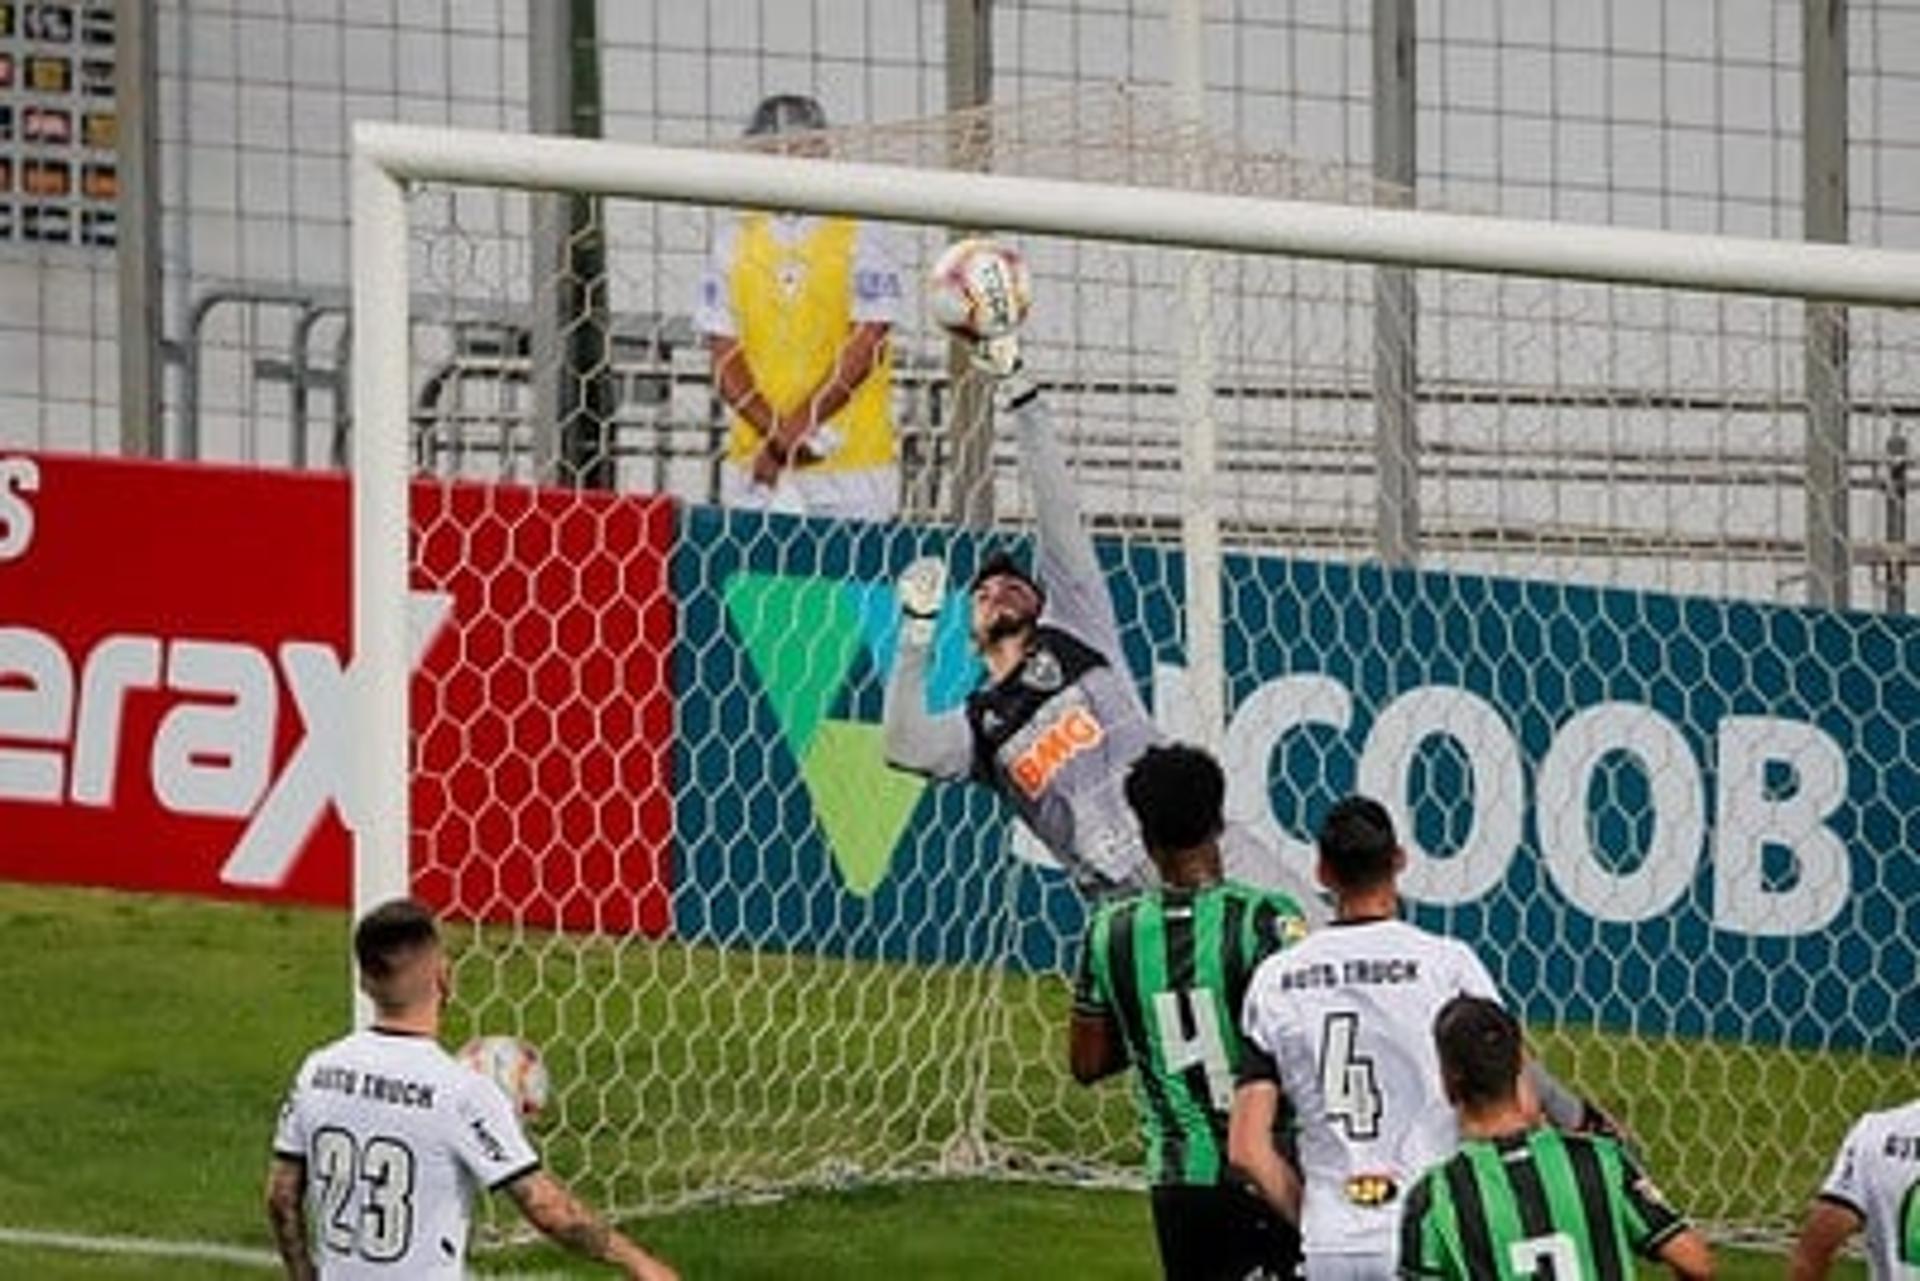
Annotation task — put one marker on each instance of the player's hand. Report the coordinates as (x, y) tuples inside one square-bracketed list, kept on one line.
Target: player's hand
[(793, 442), (922, 588), (997, 358), (1000, 360), (766, 465)]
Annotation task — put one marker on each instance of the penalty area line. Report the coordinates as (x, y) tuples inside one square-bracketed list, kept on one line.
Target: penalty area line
[(140, 1247)]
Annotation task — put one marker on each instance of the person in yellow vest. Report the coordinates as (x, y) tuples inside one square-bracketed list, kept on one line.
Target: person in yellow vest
[(798, 311)]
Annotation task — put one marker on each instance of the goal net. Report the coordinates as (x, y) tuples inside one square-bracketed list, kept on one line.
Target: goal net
[(1598, 585)]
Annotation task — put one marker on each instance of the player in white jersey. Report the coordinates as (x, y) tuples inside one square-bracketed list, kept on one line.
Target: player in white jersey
[(1340, 1028), (385, 1139), (1875, 1184)]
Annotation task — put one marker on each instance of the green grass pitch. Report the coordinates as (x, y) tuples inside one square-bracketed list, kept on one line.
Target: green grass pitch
[(147, 1040)]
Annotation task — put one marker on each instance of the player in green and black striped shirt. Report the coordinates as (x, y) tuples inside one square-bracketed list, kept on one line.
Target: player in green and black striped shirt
[(1162, 975), (1520, 1200)]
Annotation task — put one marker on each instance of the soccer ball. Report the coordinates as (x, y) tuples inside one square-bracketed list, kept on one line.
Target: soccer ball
[(513, 1065), (980, 289)]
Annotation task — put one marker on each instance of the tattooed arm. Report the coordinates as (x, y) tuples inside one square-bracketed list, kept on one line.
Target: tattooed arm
[(287, 1211), (549, 1206)]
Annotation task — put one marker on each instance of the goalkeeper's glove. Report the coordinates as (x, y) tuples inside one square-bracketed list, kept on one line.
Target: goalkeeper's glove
[(922, 588), (1000, 359)]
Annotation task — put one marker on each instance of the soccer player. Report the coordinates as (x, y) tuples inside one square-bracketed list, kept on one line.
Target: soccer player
[(1161, 975), (384, 1137), (1340, 1028), (1522, 1201), (1057, 721), (798, 312), (1871, 1186)]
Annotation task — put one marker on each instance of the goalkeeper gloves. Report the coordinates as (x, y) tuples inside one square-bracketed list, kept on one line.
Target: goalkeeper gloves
[(999, 359), (922, 588)]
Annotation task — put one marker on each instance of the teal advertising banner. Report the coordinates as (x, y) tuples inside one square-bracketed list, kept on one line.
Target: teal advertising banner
[(1647, 811)]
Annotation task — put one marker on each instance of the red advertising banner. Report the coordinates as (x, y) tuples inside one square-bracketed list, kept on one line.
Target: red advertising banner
[(173, 685)]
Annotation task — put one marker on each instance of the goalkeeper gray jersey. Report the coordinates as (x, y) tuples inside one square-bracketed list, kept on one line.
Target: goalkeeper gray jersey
[(1056, 735)]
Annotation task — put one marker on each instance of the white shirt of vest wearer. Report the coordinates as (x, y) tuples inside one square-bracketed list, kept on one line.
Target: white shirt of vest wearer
[(397, 1138), (878, 289), (1877, 1167), (1347, 1017)]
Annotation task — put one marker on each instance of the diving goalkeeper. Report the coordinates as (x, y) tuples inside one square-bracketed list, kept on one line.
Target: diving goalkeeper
[(1057, 721)]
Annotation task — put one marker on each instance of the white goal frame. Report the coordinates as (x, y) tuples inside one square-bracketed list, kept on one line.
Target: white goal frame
[(387, 158)]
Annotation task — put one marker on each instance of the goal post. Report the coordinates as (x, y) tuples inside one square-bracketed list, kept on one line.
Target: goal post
[(388, 157), (382, 540), (1669, 802)]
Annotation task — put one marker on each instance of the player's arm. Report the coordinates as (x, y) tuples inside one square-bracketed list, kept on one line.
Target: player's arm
[(1654, 1228), (859, 355), (287, 1185), (1564, 1108), (549, 1206), (1687, 1255), (1836, 1213), (1250, 1145), (733, 380), (713, 316), (1064, 560), (1829, 1225), (287, 1212), (1256, 1106), (1095, 1047), (486, 1139), (1568, 1110), (939, 745)]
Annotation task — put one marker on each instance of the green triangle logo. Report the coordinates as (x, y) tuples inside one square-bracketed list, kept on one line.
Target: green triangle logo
[(863, 811), (802, 636)]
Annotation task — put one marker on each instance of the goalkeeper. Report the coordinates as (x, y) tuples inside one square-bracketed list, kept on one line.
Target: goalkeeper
[(1057, 722)]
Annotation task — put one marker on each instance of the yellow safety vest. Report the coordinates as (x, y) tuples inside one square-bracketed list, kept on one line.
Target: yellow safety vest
[(793, 304)]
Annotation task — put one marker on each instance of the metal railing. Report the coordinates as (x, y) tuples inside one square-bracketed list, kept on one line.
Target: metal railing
[(472, 416), (294, 367)]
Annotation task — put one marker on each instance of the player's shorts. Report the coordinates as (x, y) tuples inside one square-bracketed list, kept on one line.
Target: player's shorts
[(1222, 1233), (1350, 1267)]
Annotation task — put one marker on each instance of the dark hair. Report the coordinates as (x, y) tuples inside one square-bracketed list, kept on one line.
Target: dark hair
[(1479, 1045), (388, 936), (1176, 792), (1357, 843), (1002, 564), (786, 113)]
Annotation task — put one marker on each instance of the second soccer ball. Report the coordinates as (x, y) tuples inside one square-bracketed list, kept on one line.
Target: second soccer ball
[(979, 289)]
